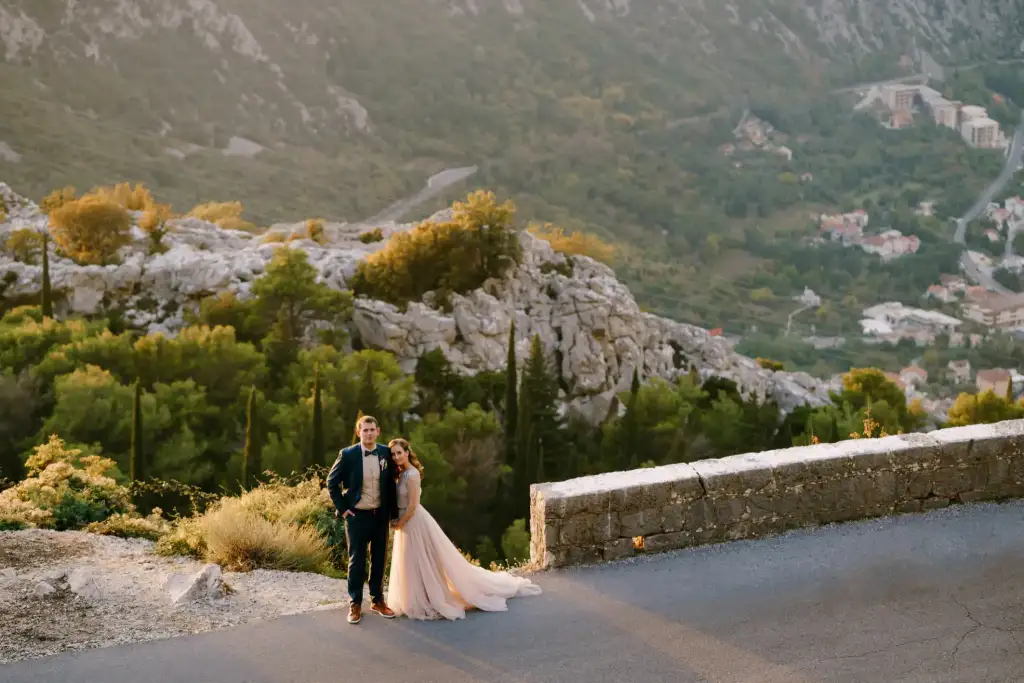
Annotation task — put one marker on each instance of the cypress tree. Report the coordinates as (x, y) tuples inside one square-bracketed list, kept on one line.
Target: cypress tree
[(537, 426), (369, 400), (316, 456), (250, 456), (47, 292), (630, 427), (137, 465), (511, 399)]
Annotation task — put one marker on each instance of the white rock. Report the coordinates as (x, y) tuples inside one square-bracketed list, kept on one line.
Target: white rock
[(202, 585), (591, 327), (43, 590), (54, 575), (7, 574), (81, 582)]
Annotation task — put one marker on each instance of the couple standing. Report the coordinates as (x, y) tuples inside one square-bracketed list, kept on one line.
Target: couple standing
[(375, 486)]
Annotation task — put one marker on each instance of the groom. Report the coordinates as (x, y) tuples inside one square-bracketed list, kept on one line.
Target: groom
[(362, 486)]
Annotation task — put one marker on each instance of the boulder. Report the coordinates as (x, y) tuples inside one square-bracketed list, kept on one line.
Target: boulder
[(205, 584)]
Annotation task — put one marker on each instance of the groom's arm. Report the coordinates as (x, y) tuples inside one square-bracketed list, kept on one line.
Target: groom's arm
[(334, 479)]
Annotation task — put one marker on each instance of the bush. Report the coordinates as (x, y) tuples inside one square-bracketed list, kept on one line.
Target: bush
[(132, 526), (57, 199), (371, 236), (25, 245), (154, 224), (91, 230), (272, 526), (315, 231), (63, 491), (137, 198), (227, 215), (477, 244), (575, 244), (515, 543)]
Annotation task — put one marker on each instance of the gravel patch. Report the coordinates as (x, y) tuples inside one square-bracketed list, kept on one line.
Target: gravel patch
[(62, 591)]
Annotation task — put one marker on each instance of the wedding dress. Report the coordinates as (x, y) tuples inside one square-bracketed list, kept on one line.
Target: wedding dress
[(430, 578)]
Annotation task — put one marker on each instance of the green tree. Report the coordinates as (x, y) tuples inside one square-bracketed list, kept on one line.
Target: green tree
[(289, 300), (316, 455), (251, 451), (537, 428), (137, 469), (511, 400), (47, 296), (631, 426)]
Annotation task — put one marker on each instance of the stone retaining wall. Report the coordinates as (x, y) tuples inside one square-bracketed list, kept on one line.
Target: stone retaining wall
[(601, 518)]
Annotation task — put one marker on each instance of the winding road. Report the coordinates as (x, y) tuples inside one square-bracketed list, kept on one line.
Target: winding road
[(436, 184), (911, 599), (1013, 161)]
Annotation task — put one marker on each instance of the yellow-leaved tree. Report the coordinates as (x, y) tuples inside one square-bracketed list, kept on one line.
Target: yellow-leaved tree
[(57, 199), (575, 243), (227, 215), (137, 198), (91, 230)]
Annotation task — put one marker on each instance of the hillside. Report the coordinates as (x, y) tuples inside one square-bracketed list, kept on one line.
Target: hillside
[(597, 114)]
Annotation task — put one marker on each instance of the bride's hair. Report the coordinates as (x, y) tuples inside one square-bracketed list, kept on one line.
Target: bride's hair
[(413, 460)]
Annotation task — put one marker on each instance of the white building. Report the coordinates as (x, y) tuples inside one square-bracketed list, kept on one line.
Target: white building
[(981, 132)]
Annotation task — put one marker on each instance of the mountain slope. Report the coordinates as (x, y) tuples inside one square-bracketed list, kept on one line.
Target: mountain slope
[(355, 103)]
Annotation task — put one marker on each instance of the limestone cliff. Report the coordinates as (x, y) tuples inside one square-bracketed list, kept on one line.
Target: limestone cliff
[(588, 321)]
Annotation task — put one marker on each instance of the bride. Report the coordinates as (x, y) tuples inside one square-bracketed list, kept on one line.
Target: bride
[(430, 578)]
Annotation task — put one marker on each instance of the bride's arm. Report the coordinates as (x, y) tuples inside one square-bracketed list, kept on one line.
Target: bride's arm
[(413, 485)]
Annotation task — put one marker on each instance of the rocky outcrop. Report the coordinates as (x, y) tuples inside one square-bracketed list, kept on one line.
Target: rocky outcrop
[(588, 321)]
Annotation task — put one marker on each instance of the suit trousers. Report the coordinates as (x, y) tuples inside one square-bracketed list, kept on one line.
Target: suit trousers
[(366, 528)]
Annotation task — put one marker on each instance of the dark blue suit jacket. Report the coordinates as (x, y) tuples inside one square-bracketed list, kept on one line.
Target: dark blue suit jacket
[(345, 481)]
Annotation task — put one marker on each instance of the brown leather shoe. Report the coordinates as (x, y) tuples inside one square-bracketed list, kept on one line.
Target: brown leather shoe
[(381, 608), (355, 613)]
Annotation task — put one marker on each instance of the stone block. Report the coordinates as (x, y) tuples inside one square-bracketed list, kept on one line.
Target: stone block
[(587, 503), (584, 555), (735, 475), (640, 523), (934, 503), (672, 518), (607, 527), (577, 531), (657, 543), (948, 482), (618, 549)]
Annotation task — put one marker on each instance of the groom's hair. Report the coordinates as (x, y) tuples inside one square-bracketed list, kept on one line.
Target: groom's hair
[(366, 418)]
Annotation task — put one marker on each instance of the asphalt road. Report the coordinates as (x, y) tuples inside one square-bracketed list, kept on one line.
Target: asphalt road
[(936, 597), (1013, 160)]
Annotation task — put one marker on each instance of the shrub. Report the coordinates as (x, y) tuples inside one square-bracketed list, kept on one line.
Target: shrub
[(769, 364), (63, 491), (91, 230), (3, 209), (154, 224), (576, 243), (371, 236), (25, 245), (515, 543), (137, 198), (275, 238), (477, 244), (132, 526), (272, 526), (227, 215), (315, 231), (57, 199)]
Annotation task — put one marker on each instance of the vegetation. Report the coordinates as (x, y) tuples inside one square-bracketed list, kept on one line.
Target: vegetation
[(91, 230), (478, 243), (371, 236), (227, 215)]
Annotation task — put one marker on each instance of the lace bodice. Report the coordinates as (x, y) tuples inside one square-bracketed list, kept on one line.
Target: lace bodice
[(411, 474)]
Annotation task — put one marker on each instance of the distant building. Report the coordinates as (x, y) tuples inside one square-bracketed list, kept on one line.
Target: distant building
[(996, 310), (996, 380), (899, 97), (960, 371), (981, 132)]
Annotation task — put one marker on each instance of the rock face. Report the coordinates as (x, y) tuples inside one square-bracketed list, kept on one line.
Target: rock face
[(603, 517), (589, 323)]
